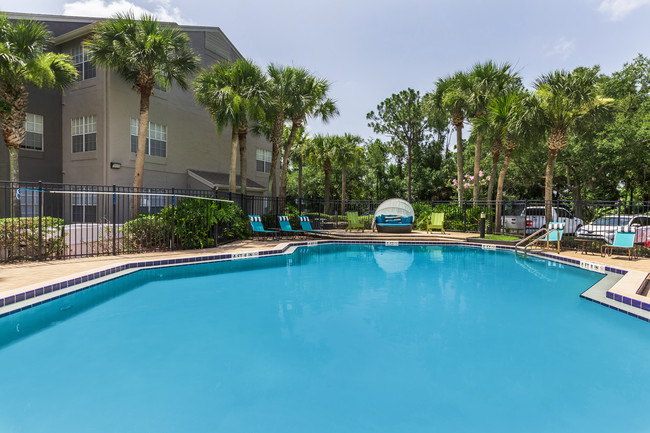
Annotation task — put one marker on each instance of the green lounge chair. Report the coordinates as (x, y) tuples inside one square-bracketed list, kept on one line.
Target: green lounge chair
[(285, 226), (353, 222), (258, 228), (436, 222), (623, 239)]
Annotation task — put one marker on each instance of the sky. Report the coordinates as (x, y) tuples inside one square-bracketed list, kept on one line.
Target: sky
[(370, 49)]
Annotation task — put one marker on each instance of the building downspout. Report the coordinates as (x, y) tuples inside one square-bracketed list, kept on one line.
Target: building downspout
[(105, 168)]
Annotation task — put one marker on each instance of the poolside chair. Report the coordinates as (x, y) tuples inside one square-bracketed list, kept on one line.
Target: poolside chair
[(436, 222), (554, 234), (305, 224), (285, 226), (623, 239), (258, 228), (353, 222)]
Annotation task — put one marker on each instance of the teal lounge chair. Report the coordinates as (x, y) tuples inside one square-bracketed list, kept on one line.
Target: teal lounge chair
[(623, 239), (306, 227), (285, 226), (258, 228)]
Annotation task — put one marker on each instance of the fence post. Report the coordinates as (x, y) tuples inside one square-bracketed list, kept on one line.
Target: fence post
[(525, 215), (216, 226), (618, 207), (114, 219), (171, 241), (464, 217), (40, 220)]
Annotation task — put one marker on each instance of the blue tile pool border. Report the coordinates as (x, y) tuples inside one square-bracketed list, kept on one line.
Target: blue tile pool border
[(48, 289)]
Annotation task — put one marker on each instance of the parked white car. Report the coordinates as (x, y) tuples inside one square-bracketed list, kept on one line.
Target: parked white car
[(604, 228)]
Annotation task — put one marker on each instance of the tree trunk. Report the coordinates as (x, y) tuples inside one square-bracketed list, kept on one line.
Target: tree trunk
[(143, 128), (459, 160), (343, 185), (408, 168), (14, 178), (477, 167), (499, 201), (496, 154), (326, 192), (234, 144), (300, 181), (243, 160), (276, 141), (548, 187), (295, 124)]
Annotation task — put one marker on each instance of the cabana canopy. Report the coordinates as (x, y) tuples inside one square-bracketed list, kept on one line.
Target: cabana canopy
[(394, 207)]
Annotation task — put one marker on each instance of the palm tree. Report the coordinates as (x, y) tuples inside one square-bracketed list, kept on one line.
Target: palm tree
[(452, 96), (23, 61), (487, 81), (143, 52), (308, 98), (231, 92), (279, 87), (321, 153), (347, 153), (561, 101)]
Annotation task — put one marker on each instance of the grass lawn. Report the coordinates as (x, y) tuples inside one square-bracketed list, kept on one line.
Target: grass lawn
[(502, 238)]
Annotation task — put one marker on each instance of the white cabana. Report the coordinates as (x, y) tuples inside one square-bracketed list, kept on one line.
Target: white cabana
[(395, 207)]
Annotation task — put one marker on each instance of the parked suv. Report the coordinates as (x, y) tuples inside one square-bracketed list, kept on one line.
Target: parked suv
[(533, 218), (604, 228)]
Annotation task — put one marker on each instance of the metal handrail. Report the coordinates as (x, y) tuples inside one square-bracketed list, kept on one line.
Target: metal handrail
[(543, 229)]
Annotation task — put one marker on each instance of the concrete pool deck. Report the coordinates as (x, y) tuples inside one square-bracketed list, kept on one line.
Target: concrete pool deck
[(21, 278)]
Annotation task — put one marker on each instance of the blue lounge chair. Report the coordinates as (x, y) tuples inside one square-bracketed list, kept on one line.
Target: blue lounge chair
[(285, 226), (305, 224), (258, 228), (623, 239)]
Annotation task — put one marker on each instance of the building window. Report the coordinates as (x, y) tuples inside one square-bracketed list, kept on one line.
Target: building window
[(81, 61), (152, 204), (33, 133), (29, 203), (84, 208), (263, 160), (84, 134), (156, 144)]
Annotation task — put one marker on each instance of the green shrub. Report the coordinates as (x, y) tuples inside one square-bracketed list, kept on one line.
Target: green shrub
[(147, 232), (19, 238)]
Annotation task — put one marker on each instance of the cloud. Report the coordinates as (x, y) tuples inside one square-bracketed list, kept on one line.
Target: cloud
[(619, 9), (162, 9), (562, 48)]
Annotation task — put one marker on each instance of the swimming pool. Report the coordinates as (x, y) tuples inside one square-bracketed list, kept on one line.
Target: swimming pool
[(332, 338)]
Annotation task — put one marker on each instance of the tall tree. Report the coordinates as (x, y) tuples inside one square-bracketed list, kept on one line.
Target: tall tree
[(487, 81), (232, 93), (321, 153), (404, 118), (347, 153), (452, 96), (143, 51), (24, 61), (279, 88), (308, 98), (561, 101)]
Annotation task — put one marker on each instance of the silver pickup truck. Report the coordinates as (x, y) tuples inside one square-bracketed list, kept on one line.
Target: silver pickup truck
[(533, 218)]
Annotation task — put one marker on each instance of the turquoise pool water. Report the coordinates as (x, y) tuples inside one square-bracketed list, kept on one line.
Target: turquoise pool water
[(330, 339)]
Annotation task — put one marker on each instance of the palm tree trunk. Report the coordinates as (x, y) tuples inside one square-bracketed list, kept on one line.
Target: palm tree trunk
[(496, 154), (326, 192), (343, 185), (143, 127), (300, 180), (14, 178), (459, 161), (234, 144), (295, 124), (502, 177), (548, 187), (477, 167), (276, 141), (408, 168), (243, 163)]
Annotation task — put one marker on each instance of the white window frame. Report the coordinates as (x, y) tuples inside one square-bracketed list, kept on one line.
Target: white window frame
[(81, 61), (155, 202), (84, 126), (156, 132), (33, 125), (264, 156), (86, 202), (29, 203)]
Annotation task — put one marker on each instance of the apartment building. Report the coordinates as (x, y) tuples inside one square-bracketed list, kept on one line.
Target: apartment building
[(87, 134)]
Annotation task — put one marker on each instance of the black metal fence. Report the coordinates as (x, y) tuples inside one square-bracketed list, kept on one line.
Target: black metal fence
[(40, 221)]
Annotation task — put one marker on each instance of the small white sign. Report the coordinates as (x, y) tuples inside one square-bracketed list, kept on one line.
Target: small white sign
[(392, 243), (245, 255), (312, 243), (592, 266), (489, 247)]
